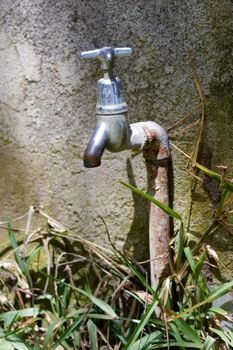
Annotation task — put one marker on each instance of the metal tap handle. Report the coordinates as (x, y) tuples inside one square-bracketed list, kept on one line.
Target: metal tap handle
[(106, 55)]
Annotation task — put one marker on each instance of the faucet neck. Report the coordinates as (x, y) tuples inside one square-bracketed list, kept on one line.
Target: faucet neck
[(110, 98)]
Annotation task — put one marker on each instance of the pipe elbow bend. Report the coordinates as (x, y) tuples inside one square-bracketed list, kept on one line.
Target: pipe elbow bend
[(150, 135)]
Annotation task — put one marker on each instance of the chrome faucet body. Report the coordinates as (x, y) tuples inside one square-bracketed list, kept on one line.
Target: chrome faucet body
[(115, 134), (112, 128)]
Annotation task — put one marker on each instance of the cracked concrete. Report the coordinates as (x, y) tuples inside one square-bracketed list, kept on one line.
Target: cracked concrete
[(48, 96)]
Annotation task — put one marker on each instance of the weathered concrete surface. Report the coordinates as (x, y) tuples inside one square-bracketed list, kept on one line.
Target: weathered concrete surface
[(48, 96)]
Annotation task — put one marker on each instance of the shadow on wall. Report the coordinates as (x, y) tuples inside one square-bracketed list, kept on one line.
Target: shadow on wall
[(137, 241)]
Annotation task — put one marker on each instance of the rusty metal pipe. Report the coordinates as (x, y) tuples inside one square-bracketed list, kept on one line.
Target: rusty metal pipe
[(156, 153), (159, 222)]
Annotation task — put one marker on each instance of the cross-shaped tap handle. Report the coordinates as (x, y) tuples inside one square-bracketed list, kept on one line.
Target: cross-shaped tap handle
[(106, 55)]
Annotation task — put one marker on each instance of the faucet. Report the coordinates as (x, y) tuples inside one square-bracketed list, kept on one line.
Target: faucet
[(114, 133)]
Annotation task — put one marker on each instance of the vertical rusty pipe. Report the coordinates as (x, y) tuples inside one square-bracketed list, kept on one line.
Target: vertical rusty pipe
[(158, 165), (159, 222)]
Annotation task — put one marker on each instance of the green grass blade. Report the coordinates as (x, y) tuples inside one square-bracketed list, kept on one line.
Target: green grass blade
[(188, 332), (147, 340), (21, 346), (220, 291), (8, 317), (180, 246), (182, 345), (99, 317), (48, 340), (228, 339), (175, 332), (33, 254), (143, 321), (74, 327), (162, 206), (208, 343), (218, 310), (208, 172), (189, 257), (101, 304), (137, 274), (5, 345), (226, 183), (92, 330), (77, 340), (222, 204), (22, 264), (230, 219), (196, 267), (213, 295), (199, 265), (96, 301)]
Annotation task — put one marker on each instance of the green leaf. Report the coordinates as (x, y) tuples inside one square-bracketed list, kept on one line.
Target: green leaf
[(137, 274), (224, 335), (20, 346), (213, 295), (218, 310), (175, 332), (188, 332), (96, 301), (143, 321), (102, 305), (146, 340), (5, 345), (48, 340), (77, 339), (189, 257), (47, 296), (12, 316), (92, 330), (180, 246), (230, 219), (199, 265), (220, 291), (208, 343), (33, 254), (74, 327), (221, 205), (164, 344), (162, 206), (182, 344), (22, 264), (99, 317), (226, 183)]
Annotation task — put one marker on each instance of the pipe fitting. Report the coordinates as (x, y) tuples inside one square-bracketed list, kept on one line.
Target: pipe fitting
[(144, 134)]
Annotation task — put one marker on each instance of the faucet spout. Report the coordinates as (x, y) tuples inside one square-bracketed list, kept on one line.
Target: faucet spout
[(96, 146)]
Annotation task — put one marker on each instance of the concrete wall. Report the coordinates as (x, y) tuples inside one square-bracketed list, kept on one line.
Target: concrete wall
[(48, 96)]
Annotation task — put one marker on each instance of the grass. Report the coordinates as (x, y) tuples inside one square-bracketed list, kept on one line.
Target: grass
[(71, 293), (60, 291)]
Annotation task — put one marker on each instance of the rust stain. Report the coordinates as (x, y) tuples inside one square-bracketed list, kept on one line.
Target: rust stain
[(153, 149)]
